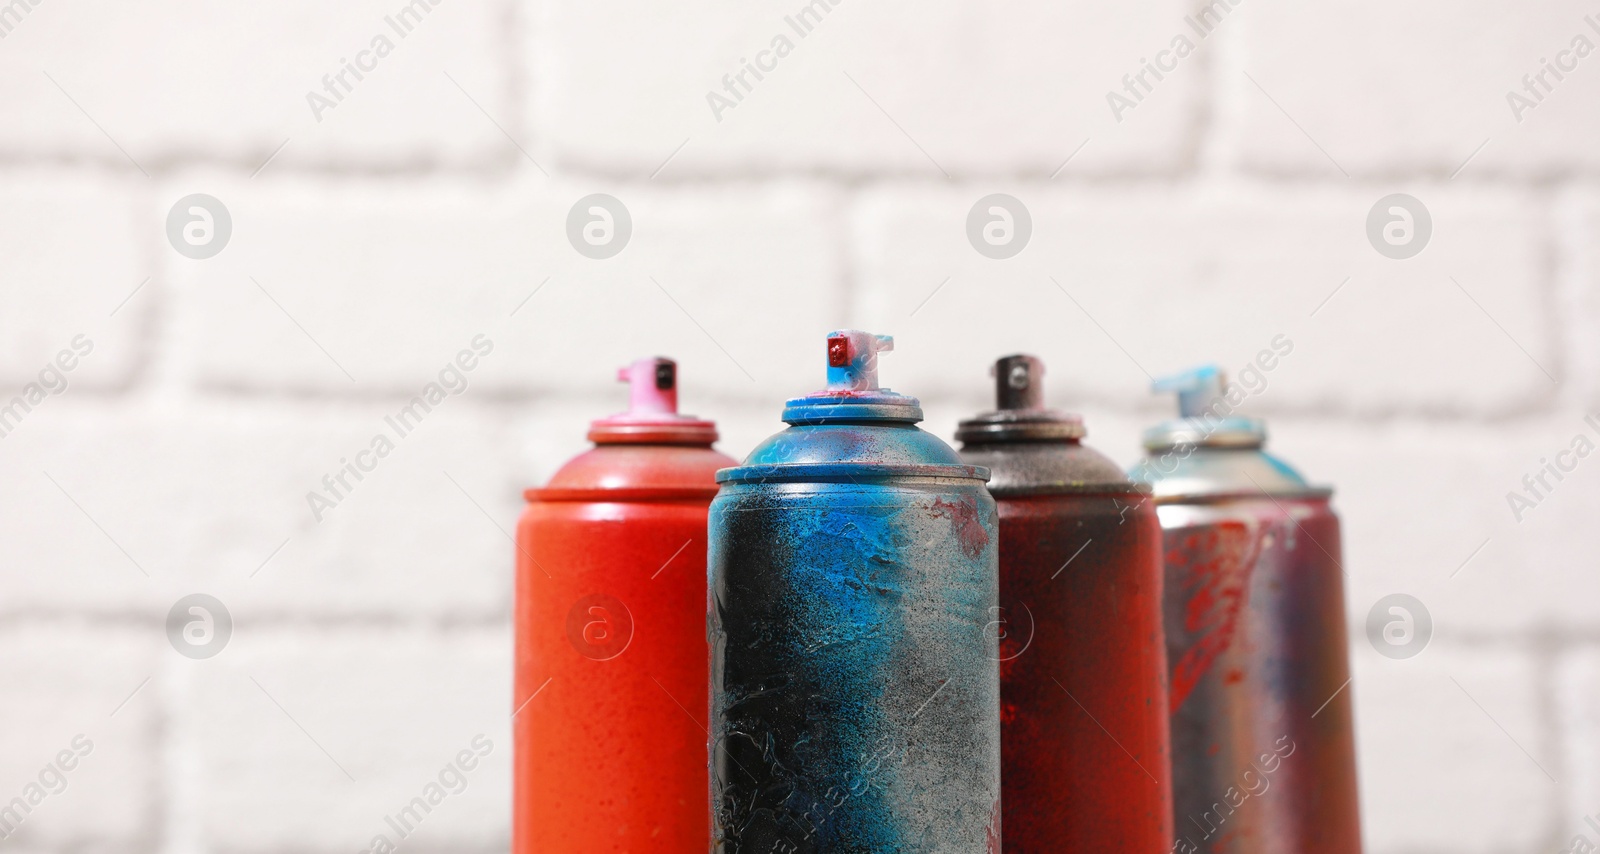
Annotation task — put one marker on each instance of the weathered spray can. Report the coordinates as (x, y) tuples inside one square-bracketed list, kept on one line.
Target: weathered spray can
[(611, 669), (1083, 668), (855, 684), (1262, 738)]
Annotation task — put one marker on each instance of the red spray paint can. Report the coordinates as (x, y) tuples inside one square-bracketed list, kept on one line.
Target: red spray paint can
[(1263, 744), (1084, 739), (612, 690)]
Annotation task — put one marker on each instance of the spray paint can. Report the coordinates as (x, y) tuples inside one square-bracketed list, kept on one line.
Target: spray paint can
[(611, 669), (1083, 668), (1262, 739), (855, 682)]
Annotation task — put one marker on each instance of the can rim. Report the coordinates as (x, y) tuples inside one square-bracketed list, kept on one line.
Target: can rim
[(1315, 492), (1006, 426), (848, 472), (684, 431), (621, 494), (1047, 489)]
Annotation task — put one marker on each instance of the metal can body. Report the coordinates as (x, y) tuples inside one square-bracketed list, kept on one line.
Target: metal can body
[(1083, 675), (1262, 728), (611, 661), (1262, 733), (855, 686), (1083, 668), (606, 759), (855, 695)]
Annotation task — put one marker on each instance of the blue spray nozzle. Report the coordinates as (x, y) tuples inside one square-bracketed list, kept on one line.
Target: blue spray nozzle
[(853, 392), (1197, 388), (853, 359)]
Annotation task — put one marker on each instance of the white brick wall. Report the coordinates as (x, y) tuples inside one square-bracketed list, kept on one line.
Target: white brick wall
[(430, 206), (393, 280), (1434, 752), (73, 256), (1427, 112), (391, 710), (78, 677), (1578, 675), (1231, 268), (228, 484), (925, 89), (176, 81)]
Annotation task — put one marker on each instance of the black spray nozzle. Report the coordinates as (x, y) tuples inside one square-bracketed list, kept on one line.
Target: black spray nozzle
[(1018, 382)]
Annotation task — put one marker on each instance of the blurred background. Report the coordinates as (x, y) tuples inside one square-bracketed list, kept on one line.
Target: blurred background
[(236, 239)]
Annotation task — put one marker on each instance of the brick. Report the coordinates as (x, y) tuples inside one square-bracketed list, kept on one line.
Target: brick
[(1156, 279), (202, 500), (391, 710), (1004, 90), (179, 79), (1577, 678), (75, 678), (1578, 217), (1418, 501), (393, 281), (71, 254), (1392, 88), (1437, 772)]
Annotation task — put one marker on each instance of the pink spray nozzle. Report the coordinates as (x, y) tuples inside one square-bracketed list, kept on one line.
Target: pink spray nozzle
[(652, 387), (652, 417), (853, 359)]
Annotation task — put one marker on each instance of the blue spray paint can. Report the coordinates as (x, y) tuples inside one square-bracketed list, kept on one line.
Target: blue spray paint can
[(853, 583)]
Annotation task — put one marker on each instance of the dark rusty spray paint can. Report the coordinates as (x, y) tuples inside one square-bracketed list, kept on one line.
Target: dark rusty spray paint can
[(1262, 737), (1084, 741), (855, 686)]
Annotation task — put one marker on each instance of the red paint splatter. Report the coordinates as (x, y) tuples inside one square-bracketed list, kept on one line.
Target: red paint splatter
[(963, 515), (838, 351), (1218, 561)]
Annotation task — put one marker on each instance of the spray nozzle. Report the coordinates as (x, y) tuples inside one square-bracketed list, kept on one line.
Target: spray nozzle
[(853, 359), (652, 386), (1197, 388), (1018, 382)]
